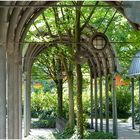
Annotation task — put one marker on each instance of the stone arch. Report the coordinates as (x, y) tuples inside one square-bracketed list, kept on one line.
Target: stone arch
[(16, 18), (96, 61)]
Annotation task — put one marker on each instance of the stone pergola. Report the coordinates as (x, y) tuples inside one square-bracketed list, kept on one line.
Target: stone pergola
[(134, 73), (16, 17)]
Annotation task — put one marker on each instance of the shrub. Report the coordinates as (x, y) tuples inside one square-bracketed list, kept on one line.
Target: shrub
[(98, 135), (68, 132), (123, 98), (137, 118), (65, 106), (47, 114), (86, 104), (123, 102), (49, 123), (136, 101), (41, 102)]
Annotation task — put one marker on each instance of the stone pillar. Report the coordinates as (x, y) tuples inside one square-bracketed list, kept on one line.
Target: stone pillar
[(20, 101), (28, 86), (91, 98), (101, 104), (10, 110), (114, 107), (96, 103), (107, 104), (16, 101), (2, 93), (13, 97), (3, 32), (27, 104)]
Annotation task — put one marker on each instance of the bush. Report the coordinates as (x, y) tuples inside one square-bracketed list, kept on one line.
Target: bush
[(86, 104), (98, 135), (47, 114), (41, 102), (49, 123), (137, 118), (123, 99), (68, 132), (123, 102)]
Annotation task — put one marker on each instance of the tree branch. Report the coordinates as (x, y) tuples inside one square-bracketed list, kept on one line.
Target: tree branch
[(39, 32), (47, 25), (57, 22), (49, 69)]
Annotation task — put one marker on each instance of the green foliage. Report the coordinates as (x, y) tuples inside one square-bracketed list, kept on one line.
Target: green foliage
[(98, 135), (86, 104), (123, 99), (46, 119), (49, 123), (45, 104), (61, 22), (41, 102), (68, 132), (137, 117), (46, 114), (123, 102)]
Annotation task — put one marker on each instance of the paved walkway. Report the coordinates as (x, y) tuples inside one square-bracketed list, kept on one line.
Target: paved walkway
[(124, 130), (38, 134)]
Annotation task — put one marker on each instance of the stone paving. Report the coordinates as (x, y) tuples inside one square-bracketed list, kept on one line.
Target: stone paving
[(124, 132), (37, 134)]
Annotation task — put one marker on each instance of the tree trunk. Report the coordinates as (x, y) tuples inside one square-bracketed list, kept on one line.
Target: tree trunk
[(79, 74), (59, 85), (79, 101), (71, 96)]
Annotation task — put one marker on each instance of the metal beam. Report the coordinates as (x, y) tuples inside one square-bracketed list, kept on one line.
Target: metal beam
[(133, 104)]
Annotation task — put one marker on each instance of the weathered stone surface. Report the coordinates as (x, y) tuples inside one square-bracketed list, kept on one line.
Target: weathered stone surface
[(60, 124)]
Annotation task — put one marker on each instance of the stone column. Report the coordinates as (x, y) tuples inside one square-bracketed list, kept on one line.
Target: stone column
[(20, 101), (96, 103), (3, 31), (101, 104), (91, 98), (114, 107), (13, 97), (2, 93), (28, 86), (107, 104), (10, 109), (27, 104), (16, 101)]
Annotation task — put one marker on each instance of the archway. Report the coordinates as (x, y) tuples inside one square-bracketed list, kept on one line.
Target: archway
[(16, 21)]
